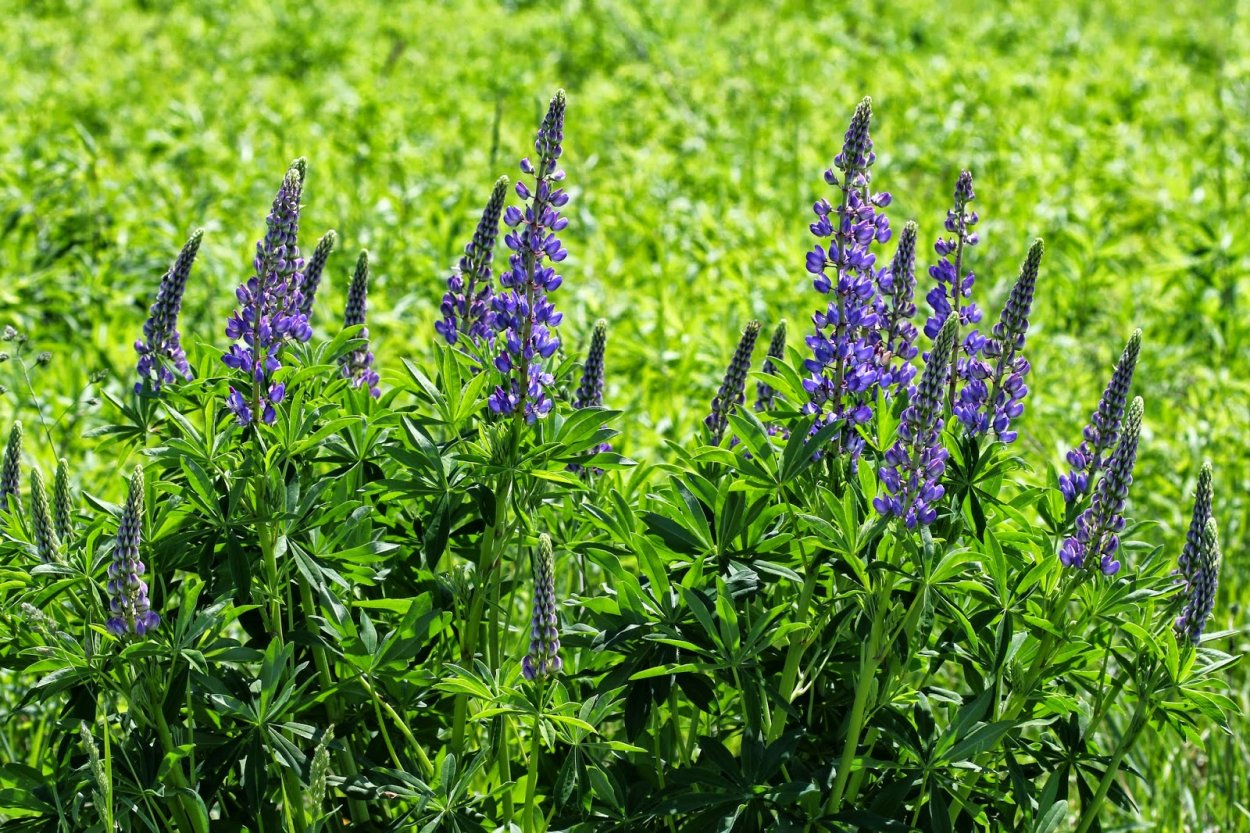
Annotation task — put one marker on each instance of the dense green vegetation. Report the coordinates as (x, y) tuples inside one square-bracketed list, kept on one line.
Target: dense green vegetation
[(696, 138)]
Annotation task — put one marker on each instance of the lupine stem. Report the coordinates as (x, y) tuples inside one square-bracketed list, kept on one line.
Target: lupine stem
[(531, 784), (794, 652), (1089, 813)]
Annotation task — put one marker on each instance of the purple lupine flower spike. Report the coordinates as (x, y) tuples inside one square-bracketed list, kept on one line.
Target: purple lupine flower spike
[(129, 609), (896, 288), (590, 389), (1098, 527), (269, 313), (11, 470), (845, 368), (523, 314), (466, 307), (914, 465), (733, 388), (994, 396), (47, 544), (358, 364), (765, 396), (312, 272), (1190, 557), (543, 659), (1200, 592), (161, 344), (1090, 456)]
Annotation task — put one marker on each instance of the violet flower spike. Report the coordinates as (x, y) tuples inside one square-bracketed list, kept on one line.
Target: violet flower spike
[(358, 364), (896, 306), (524, 316), (269, 313), (1098, 527), (994, 390), (765, 396), (732, 391), (543, 659), (1190, 558), (466, 307), (589, 392), (845, 368), (11, 470), (914, 465), (129, 608), (312, 273), (1200, 594), (161, 345), (1101, 434)]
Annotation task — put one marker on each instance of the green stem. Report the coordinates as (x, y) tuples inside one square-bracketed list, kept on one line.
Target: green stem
[(868, 662), (794, 653), (1089, 813), (531, 783)]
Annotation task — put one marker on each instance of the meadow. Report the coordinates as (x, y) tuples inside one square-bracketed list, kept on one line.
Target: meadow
[(695, 142)]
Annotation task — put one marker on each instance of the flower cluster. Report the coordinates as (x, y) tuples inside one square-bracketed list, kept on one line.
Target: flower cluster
[(161, 340), (543, 659), (270, 307), (523, 314), (11, 469), (845, 366), (1199, 562), (129, 608), (764, 393), (994, 389), (915, 463), (1098, 527), (358, 364), (47, 544), (896, 306), (312, 272), (590, 390), (732, 390), (62, 502), (466, 308), (1101, 434)]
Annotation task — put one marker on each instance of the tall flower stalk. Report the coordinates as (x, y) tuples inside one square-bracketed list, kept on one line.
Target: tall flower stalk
[(523, 314), (62, 502), (844, 367), (47, 544), (954, 285), (161, 345), (915, 463), (129, 609), (896, 306), (270, 303), (765, 396), (466, 307), (590, 390), (11, 469), (732, 390), (993, 395), (1098, 527), (358, 364), (312, 273), (543, 658), (1101, 434), (1199, 563)]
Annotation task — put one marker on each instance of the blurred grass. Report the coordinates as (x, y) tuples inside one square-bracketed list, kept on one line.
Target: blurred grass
[(697, 134)]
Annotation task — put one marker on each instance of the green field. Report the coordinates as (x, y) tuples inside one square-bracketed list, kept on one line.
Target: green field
[(696, 137)]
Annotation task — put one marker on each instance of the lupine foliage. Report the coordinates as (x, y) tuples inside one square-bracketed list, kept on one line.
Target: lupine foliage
[(348, 594)]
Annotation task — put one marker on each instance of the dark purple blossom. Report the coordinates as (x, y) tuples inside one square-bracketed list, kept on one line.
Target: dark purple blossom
[(523, 314), (313, 271), (845, 366), (1098, 527), (589, 392), (269, 308), (732, 390), (11, 470), (914, 465), (1101, 434), (1201, 586), (543, 659), (1190, 557), (765, 396), (358, 364), (466, 308), (896, 306), (994, 391), (161, 344), (129, 609)]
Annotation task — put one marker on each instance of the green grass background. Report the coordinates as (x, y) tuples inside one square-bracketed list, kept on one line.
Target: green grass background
[(696, 137)]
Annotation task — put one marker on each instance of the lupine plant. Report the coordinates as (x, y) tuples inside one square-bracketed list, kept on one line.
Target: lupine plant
[(441, 600)]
